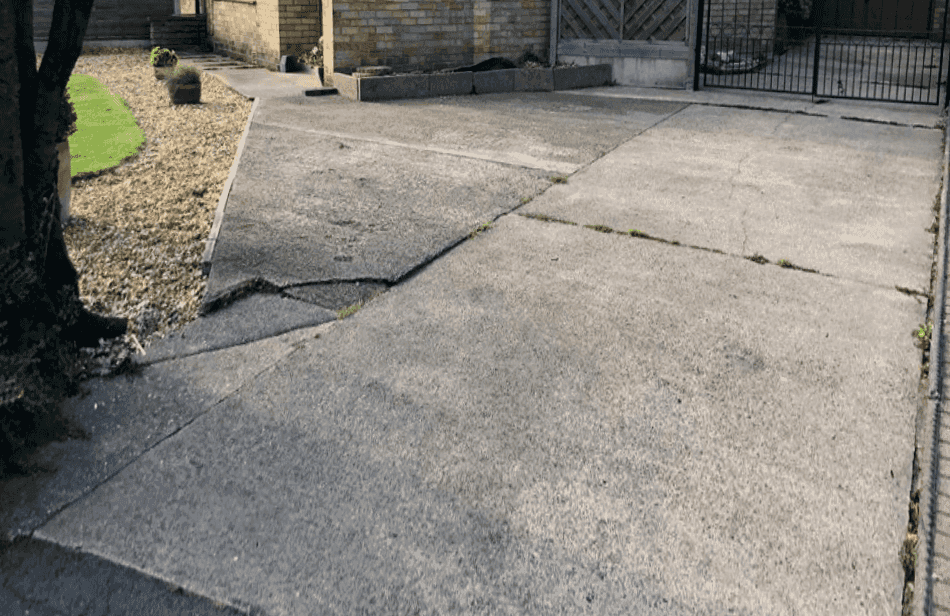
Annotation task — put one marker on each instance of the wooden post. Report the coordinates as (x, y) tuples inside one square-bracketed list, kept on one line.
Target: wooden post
[(555, 30)]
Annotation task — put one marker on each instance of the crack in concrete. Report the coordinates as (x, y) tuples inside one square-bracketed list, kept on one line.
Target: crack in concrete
[(512, 160)]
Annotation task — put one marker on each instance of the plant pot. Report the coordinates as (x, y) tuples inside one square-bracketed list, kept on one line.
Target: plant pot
[(185, 93), (162, 72), (64, 179)]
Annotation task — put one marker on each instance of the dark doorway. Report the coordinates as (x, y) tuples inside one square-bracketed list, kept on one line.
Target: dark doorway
[(911, 16)]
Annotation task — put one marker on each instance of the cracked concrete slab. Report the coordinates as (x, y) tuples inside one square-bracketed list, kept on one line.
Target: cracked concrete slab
[(330, 191), (121, 418), (306, 208), (552, 131), (256, 317), (844, 198), (336, 295), (549, 420)]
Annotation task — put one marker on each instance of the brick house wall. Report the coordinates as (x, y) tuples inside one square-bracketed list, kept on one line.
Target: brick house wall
[(110, 19), (415, 34), (262, 31)]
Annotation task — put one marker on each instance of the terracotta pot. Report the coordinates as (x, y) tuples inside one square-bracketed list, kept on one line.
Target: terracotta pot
[(64, 179), (185, 93)]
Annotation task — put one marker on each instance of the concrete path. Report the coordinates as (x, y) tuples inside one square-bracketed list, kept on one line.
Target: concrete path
[(546, 415)]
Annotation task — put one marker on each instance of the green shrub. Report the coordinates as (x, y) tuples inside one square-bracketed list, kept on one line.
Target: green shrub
[(162, 57), (184, 75)]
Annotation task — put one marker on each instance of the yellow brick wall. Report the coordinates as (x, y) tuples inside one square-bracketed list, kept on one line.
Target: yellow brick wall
[(300, 26), (264, 32), (414, 34)]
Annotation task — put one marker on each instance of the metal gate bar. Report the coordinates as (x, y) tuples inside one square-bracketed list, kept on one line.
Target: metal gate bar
[(755, 45)]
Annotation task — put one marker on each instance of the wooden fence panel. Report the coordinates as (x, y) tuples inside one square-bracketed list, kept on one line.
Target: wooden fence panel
[(591, 19), (655, 20), (624, 20)]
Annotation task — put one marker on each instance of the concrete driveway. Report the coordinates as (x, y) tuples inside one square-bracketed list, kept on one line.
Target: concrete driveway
[(553, 415)]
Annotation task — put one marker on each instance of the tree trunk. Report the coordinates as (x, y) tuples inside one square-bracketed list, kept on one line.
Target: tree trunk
[(39, 283), (42, 318)]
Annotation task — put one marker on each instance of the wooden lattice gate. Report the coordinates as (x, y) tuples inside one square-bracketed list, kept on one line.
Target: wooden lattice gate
[(618, 29), (624, 20)]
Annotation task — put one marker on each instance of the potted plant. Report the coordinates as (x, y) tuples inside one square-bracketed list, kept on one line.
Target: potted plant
[(163, 61), (184, 85)]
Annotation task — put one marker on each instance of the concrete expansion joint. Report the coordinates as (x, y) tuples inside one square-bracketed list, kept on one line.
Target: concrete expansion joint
[(638, 234), (891, 123)]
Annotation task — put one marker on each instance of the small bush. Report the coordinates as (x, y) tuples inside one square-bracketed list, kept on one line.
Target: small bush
[(185, 75), (162, 57)]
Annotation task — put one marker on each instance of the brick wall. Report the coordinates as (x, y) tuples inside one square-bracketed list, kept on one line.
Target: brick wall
[(413, 34), (110, 19), (300, 26), (264, 31), (244, 29)]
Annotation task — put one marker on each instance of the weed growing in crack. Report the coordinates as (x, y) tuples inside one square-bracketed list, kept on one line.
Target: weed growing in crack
[(350, 310), (639, 233), (922, 334), (558, 179), (757, 258), (485, 226), (546, 218), (599, 228), (789, 265), (526, 200)]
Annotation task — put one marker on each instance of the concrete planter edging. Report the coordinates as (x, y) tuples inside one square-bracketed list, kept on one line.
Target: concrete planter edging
[(391, 87)]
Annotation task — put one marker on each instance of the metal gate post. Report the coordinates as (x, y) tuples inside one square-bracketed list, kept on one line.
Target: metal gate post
[(555, 30), (698, 44), (943, 52), (819, 16)]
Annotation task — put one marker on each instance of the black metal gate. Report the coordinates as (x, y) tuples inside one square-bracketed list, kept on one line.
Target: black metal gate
[(860, 49)]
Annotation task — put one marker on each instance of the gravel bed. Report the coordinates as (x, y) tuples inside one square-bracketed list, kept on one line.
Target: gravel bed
[(136, 233)]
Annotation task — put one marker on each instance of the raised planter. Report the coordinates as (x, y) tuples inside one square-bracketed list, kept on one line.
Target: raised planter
[(390, 87)]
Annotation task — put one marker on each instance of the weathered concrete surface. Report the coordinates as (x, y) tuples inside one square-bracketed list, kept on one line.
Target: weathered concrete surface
[(556, 132), (549, 420), (86, 584), (248, 319), (308, 208), (116, 420), (825, 194), (328, 191)]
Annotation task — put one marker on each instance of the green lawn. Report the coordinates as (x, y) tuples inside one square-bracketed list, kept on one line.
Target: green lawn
[(106, 132)]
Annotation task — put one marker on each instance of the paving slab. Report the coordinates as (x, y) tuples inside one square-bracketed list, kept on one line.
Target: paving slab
[(846, 198), (115, 420), (308, 208), (329, 192), (549, 420), (45, 579), (543, 130), (262, 83), (252, 318)]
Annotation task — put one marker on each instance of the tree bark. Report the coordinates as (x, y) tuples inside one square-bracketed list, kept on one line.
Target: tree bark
[(39, 286)]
